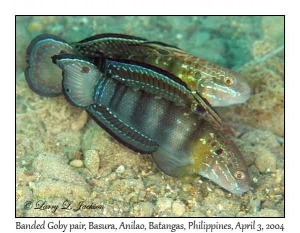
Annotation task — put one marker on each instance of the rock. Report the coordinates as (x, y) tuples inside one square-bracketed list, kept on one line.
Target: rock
[(144, 209), (76, 163), (53, 166), (92, 161), (80, 122), (112, 153), (178, 208), (265, 160), (164, 204)]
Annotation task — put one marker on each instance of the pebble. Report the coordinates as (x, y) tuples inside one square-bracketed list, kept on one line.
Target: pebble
[(24, 193), (279, 176), (220, 207), (120, 169), (209, 213), (178, 208), (92, 161), (76, 163), (164, 204)]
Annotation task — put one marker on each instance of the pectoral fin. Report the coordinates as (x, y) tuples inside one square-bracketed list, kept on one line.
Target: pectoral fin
[(173, 164)]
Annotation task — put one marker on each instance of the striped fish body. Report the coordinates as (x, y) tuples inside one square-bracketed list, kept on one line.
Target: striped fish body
[(181, 142), (219, 86), (158, 82), (187, 143)]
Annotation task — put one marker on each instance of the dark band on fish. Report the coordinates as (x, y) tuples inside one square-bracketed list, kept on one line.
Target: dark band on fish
[(127, 135), (149, 78), (116, 99)]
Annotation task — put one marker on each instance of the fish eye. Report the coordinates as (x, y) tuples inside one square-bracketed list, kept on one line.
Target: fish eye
[(68, 90), (228, 81), (219, 151), (239, 175)]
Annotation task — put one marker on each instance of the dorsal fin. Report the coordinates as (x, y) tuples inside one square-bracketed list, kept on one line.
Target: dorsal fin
[(123, 132), (161, 44), (114, 45), (111, 45), (205, 108), (112, 36), (150, 79)]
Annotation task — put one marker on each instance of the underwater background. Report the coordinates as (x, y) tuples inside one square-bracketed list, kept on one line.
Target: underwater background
[(61, 154)]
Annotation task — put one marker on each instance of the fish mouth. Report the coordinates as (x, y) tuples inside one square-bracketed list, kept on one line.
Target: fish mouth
[(223, 96), (243, 189), (245, 93), (231, 97)]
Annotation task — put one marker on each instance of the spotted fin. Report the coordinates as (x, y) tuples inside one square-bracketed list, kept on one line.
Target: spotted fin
[(173, 164), (79, 79), (42, 76), (109, 44), (150, 79), (124, 133), (122, 46)]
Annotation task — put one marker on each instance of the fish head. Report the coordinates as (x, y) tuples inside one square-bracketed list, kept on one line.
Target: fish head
[(223, 163), (222, 87), (80, 78)]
